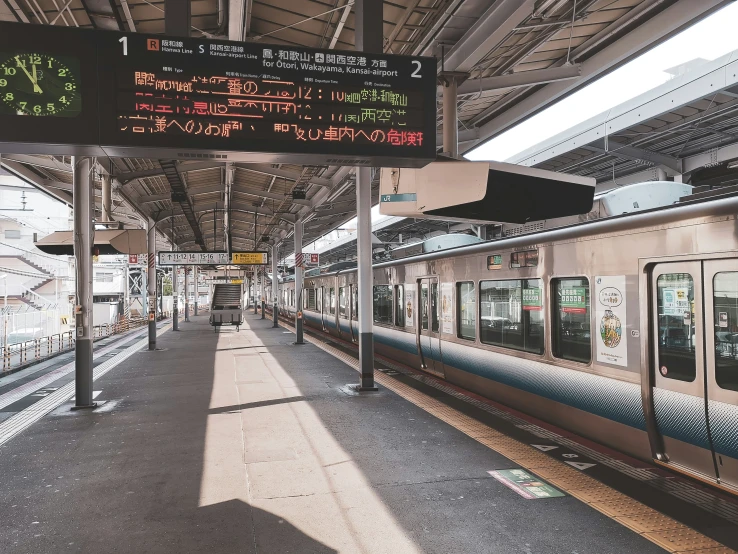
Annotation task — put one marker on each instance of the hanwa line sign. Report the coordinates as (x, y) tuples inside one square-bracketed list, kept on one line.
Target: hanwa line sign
[(213, 258)]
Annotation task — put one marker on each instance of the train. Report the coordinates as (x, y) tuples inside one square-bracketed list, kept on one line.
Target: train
[(622, 329)]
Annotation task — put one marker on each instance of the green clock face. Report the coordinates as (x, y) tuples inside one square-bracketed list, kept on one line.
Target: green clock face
[(39, 85)]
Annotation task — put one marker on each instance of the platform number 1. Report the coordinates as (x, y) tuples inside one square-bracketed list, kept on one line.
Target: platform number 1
[(124, 40), (416, 73)]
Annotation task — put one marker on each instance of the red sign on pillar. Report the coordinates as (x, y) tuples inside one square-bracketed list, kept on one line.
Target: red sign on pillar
[(132, 258)]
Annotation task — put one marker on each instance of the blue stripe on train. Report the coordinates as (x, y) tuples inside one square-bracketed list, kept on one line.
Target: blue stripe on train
[(680, 416)]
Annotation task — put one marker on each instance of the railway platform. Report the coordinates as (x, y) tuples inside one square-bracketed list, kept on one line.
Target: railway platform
[(246, 442)]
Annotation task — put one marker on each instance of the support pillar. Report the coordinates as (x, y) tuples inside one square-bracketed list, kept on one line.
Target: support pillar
[(177, 16), (298, 282), (275, 286), (255, 284), (151, 281), (368, 32), (83, 241), (262, 293), (175, 299), (196, 278), (365, 276), (187, 294), (107, 199), (450, 116)]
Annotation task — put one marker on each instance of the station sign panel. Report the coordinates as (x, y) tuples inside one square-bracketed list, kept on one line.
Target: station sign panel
[(213, 258), (250, 258), (224, 281), (128, 94)]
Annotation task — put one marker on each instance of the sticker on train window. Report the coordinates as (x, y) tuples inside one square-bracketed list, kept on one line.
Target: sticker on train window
[(494, 261), (526, 258)]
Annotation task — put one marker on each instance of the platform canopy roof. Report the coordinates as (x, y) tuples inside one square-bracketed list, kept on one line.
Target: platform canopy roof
[(517, 56), (686, 129)]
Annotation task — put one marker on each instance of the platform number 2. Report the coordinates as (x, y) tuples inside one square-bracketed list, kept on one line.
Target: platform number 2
[(416, 73), (124, 40)]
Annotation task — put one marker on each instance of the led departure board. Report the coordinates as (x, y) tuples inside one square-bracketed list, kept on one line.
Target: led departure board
[(258, 99), (67, 90)]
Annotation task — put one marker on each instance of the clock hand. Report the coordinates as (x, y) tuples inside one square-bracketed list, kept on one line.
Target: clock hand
[(36, 88), (23, 67)]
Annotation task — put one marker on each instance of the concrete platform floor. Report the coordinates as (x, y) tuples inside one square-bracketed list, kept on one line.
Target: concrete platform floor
[(244, 442)]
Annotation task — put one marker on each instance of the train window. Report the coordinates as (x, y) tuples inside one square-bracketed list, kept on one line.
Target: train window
[(675, 309), (332, 301), (511, 314), (310, 299), (399, 305), (725, 306), (424, 306), (382, 304), (319, 299), (466, 311), (343, 301), (571, 337), (434, 306)]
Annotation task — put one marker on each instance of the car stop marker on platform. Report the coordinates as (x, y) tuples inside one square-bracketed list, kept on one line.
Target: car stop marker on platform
[(525, 484)]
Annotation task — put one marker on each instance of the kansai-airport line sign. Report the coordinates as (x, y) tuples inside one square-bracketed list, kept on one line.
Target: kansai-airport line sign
[(85, 92), (213, 258)]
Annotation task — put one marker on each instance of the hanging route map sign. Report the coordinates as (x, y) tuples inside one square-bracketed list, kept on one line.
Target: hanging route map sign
[(129, 94)]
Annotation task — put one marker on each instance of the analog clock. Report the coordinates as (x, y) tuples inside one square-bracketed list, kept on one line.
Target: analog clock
[(39, 84)]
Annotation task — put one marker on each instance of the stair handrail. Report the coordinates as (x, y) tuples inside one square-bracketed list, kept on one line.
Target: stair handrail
[(45, 303)]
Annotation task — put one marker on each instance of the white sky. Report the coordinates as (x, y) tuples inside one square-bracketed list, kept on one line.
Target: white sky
[(709, 39)]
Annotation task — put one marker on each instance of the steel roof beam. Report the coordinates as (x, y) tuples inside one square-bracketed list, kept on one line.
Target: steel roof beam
[(56, 189), (182, 167), (660, 27), (614, 148), (711, 157), (522, 79), (267, 169), (179, 191), (17, 11), (490, 30)]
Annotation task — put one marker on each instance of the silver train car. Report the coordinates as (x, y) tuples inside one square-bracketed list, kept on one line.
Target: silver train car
[(623, 330)]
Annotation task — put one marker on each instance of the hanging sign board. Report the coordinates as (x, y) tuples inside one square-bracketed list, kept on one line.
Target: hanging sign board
[(213, 258), (193, 258), (129, 94), (250, 258)]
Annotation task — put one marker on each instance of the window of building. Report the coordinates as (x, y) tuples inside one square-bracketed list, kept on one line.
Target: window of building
[(101, 277), (332, 301), (382, 304), (571, 336), (343, 301), (511, 314), (466, 310), (400, 305)]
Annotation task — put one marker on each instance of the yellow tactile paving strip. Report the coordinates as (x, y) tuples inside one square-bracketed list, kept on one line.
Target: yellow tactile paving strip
[(658, 528)]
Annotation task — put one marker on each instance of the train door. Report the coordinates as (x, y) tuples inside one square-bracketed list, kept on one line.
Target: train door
[(428, 337), (352, 311), (321, 306), (721, 344), (343, 313), (679, 374)]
